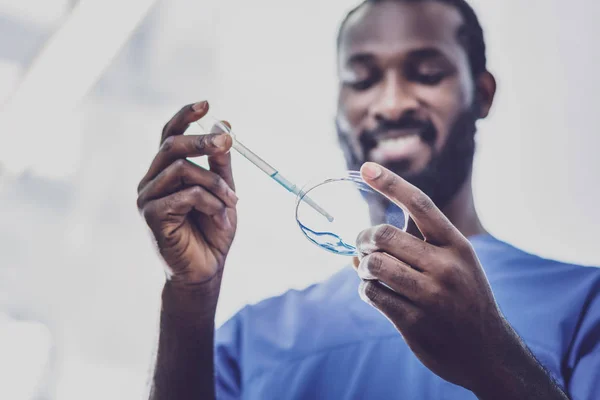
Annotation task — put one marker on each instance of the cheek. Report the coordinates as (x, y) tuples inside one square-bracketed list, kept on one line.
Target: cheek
[(353, 110), (446, 103)]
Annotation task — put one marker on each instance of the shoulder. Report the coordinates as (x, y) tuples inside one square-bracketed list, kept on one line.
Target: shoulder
[(529, 277), (533, 289), (496, 254)]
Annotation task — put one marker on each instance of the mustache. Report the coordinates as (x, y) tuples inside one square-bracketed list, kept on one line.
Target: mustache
[(426, 130)]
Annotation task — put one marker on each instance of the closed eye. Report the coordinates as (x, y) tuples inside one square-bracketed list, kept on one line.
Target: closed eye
[(430, 79), (361, 85)]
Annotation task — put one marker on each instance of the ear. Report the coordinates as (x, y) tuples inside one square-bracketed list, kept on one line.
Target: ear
[(485, 92)]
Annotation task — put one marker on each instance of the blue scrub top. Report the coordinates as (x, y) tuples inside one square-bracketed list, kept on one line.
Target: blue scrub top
[(324, 342)]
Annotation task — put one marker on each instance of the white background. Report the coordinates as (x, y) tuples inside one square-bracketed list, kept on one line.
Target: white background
[(82, 115)]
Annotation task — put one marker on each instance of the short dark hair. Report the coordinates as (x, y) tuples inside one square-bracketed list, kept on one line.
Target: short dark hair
[(470, 34)]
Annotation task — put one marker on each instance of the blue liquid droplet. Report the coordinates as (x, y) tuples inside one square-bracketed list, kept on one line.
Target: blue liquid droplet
[(329, 241)]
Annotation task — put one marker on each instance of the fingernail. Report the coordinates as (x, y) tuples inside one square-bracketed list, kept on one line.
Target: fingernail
[(200, 106), (371, 170), (233, 197), (221, 140)]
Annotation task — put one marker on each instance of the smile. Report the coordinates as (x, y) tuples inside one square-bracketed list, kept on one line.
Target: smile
[(399, 134), (399, 147)]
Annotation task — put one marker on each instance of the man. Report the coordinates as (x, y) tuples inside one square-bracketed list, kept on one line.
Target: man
[(466, 315)]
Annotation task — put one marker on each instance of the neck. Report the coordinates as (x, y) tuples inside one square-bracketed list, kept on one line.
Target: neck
[(462, 213)]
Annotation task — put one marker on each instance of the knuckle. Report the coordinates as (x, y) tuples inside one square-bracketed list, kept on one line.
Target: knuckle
[(166, 128), (185, 110), (201, 195), (221, 206), (465, 249), (150, 213), (217, 184), (179, 170), (414, 285), (424, 250), (170, 202), (384, 234), (448, 231), (202, 142), (179, 166), (448, 274), (167, 144), (178, 117), (141, 186), (429, 263), (140, 202), (175, 119), (370, 291), (196, 192), (435, 296), (373, 264), (421, 203), (390, 182)]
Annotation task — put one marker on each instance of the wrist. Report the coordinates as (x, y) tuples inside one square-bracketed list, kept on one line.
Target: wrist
[(513, 372), (195, 300)]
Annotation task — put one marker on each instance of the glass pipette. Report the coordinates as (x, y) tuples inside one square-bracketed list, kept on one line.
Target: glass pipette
[(277, 177), (272, 172)]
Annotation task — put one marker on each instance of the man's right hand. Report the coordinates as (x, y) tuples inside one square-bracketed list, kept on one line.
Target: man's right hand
[(190, 210)]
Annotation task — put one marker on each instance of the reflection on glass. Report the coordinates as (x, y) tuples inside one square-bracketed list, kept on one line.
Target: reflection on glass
[(339, 235)]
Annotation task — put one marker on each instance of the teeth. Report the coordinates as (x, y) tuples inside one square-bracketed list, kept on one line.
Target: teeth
[(398, 148), (393, 143)]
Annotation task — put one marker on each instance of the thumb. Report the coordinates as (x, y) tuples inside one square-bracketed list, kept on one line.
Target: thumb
[(221, 164)]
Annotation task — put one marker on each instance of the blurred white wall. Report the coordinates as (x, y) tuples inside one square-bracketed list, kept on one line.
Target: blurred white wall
[(75, 254)]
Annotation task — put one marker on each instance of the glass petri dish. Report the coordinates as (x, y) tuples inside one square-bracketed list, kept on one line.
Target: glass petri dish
[(352, 205)]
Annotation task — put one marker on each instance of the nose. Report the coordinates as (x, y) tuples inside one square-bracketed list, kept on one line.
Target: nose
[(394, 99)]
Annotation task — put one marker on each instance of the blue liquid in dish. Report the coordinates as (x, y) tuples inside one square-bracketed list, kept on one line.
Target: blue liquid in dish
[(329, 241)]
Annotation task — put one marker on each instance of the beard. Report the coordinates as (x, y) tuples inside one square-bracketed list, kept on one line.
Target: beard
[(448, 169)]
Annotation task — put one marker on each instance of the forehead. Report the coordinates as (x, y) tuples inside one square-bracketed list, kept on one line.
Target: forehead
[(397, 27)]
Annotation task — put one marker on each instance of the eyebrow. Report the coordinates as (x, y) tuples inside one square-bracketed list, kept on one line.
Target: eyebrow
[(421, 54), (427, 53), (361, 58)]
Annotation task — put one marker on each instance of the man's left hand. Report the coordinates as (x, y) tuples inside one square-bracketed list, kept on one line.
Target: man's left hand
[(434, 290)]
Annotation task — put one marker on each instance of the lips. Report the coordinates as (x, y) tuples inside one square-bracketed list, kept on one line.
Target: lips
[(398, 133), (395, 145)]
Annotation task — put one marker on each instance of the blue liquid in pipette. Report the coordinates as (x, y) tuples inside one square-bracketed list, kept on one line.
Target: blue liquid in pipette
[(329, 241)]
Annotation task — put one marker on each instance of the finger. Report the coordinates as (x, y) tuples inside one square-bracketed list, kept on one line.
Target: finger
[(399, 276), (182, 120), (182, 174), (432, 223), (401, 312), (175, 207), (401, 245), (220, 164), (179, 147)]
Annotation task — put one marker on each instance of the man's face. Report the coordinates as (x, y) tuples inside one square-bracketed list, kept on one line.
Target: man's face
[(406, 97)]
